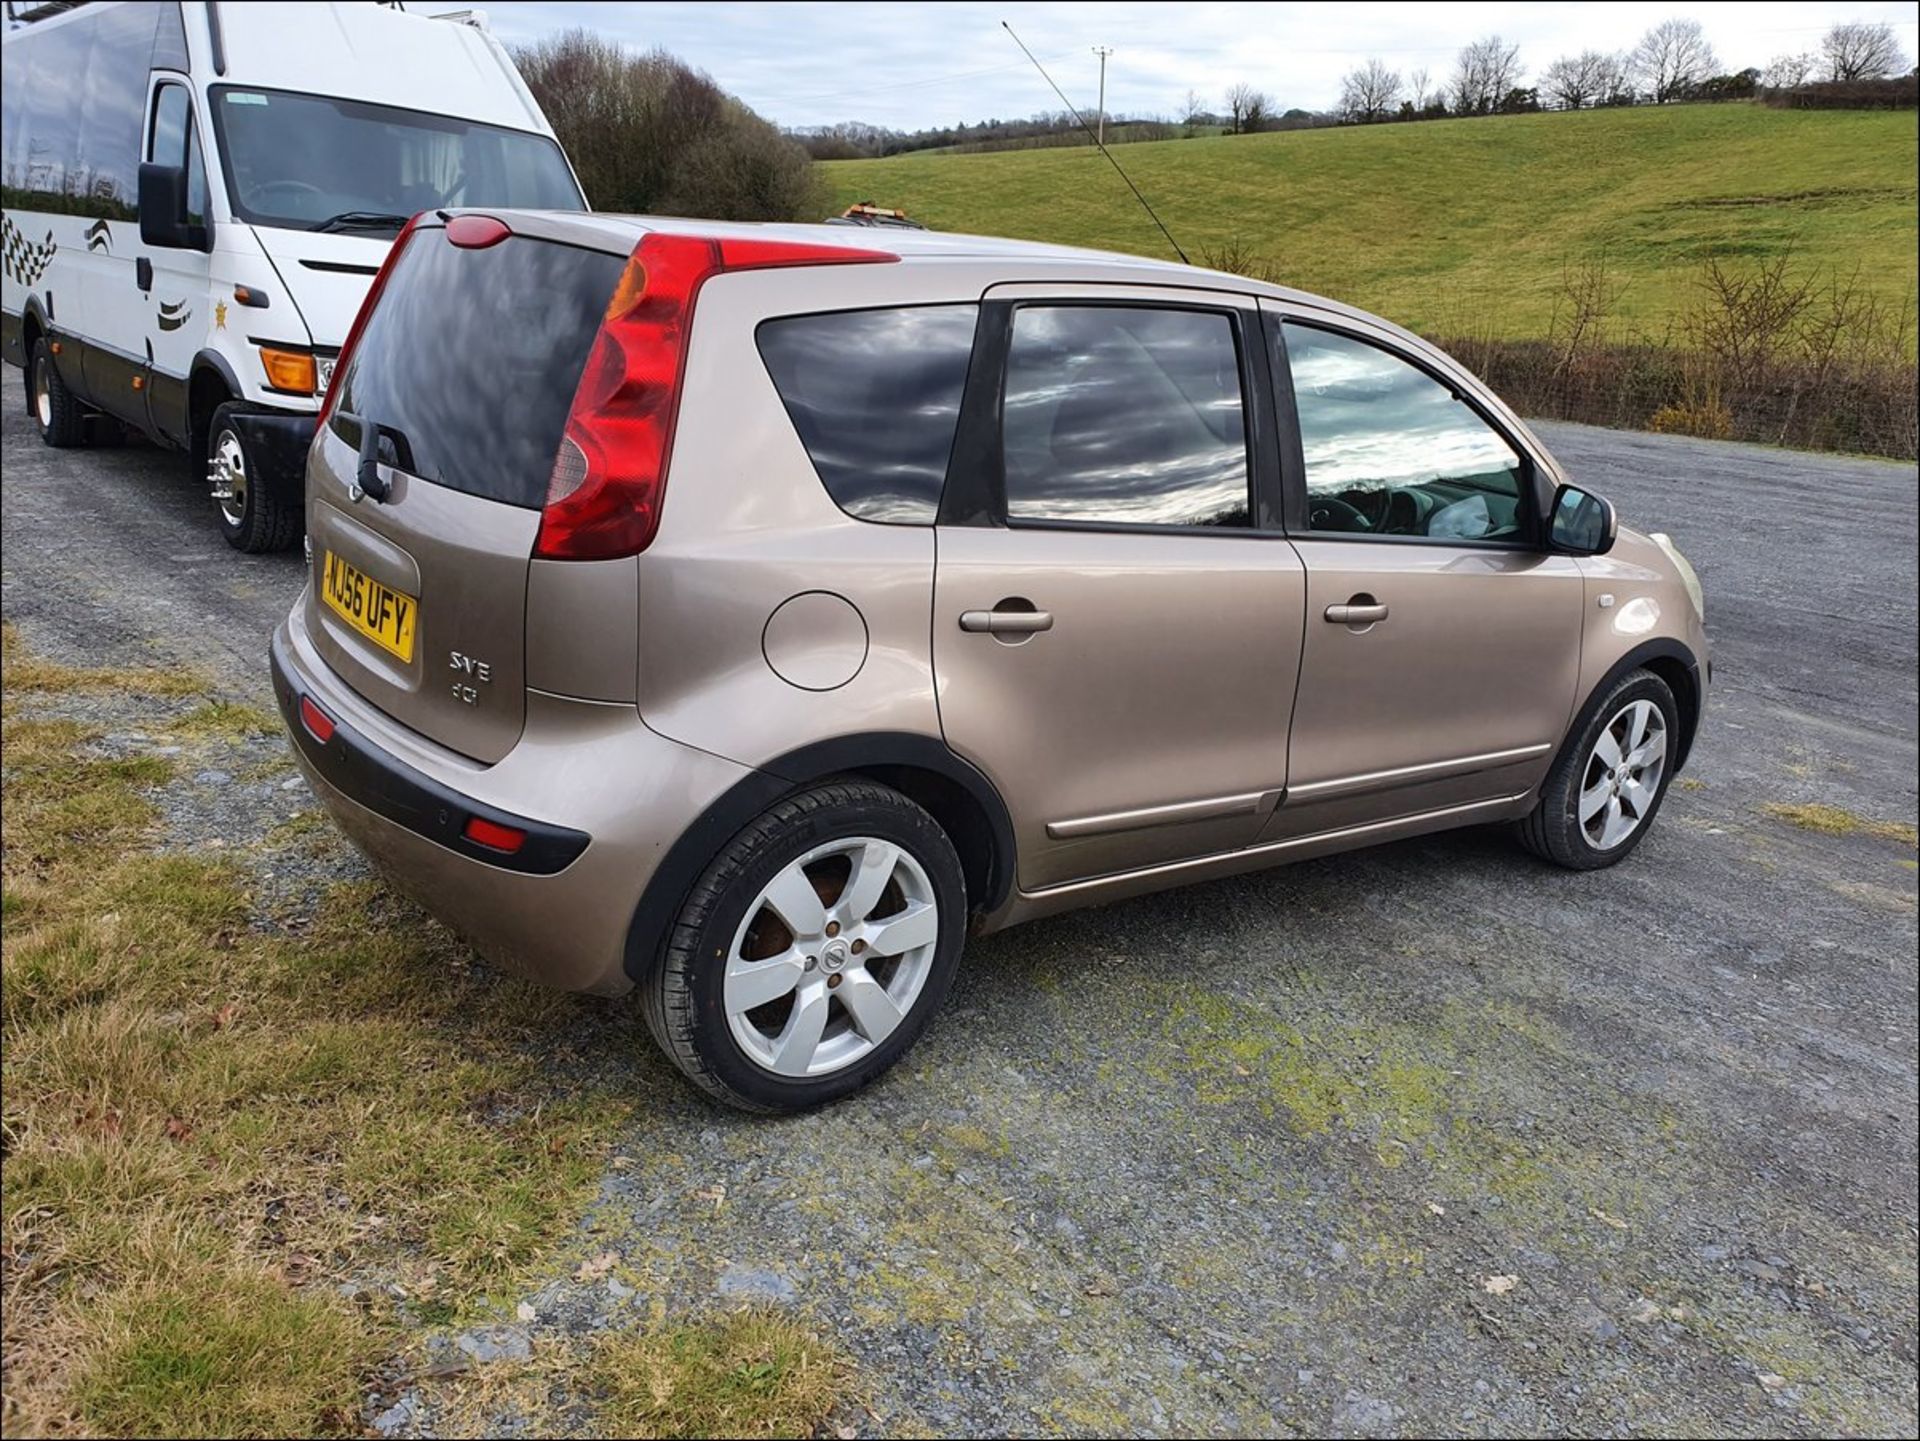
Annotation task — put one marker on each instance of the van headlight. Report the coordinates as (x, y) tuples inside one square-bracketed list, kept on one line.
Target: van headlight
[(1688, 577)]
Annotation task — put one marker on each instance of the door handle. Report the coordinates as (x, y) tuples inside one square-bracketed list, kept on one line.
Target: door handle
[(1370, 613), (1010, 617), (143, 273)]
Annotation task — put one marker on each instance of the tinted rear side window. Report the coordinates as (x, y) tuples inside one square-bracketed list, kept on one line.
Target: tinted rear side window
[(1124, 415), (875, 396), (472, 358)]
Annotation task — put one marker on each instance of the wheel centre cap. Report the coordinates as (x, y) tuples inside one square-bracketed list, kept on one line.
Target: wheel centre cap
[(834, 958)]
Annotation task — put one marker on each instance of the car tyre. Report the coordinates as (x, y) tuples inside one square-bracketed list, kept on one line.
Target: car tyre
[(1601, 796), (735, 924), (258, 510), (58, 412)]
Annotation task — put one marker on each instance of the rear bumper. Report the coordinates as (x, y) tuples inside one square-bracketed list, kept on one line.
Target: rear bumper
[(600, 796)]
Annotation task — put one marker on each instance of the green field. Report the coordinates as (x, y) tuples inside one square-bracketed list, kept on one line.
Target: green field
[(1464, 225)]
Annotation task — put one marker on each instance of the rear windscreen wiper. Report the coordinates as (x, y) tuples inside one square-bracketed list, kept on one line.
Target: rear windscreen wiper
[(363, 220)]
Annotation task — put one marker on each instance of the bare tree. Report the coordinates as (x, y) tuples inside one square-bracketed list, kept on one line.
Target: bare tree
[(1370, 93), (1241, 98), (1259, 111), (1483, 74), (1784, 72), (1616, 82), (1858, 50), (1672, 58), (1418, 83), (1192, 109), (1576, 81), (647, 133)]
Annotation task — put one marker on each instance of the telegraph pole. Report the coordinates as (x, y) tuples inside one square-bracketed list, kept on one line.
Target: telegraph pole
[(1103, 51)]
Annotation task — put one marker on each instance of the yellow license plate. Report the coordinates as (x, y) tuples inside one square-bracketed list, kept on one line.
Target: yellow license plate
[(383, 616)]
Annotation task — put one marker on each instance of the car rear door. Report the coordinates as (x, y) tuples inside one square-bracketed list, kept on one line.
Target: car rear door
[(1442, 644), (458, 390), (1117, 618)]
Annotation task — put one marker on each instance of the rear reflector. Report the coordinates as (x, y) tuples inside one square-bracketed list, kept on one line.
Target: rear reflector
[(610, 474), (476, 232), (318, 723), (493, 836)]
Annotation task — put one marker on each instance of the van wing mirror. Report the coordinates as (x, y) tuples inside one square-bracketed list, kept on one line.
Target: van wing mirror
[(163, 210), (1582, 523)]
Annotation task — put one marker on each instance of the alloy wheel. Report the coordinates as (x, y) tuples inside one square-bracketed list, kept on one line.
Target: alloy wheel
[(1622, 777), (831, 957)]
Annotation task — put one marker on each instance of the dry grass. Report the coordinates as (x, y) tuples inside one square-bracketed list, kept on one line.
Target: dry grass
[(23, 673), (1838, 821), (750, 1374), (207, 1126)]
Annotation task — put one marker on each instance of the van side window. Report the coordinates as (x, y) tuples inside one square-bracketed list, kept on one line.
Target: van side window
[(875, 397), (112, 93), (1390, 451), (1125, 414), (175, 141)]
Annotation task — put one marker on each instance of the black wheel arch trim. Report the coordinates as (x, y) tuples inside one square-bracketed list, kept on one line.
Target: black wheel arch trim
[(673, 879), (214, 360), (1692, 707)]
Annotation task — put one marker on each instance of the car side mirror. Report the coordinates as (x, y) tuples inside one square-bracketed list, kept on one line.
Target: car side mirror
[(163, 210), (1582, 523)]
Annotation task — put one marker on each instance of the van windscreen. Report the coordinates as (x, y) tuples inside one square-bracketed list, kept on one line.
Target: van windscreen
[(302, 162), (469, 361)]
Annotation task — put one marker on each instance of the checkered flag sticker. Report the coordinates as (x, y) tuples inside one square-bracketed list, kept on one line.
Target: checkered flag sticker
[(23, 260)]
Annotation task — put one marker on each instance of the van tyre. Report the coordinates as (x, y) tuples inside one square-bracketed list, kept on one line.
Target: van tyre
[(1605, 789), (258, 510), (61, 417), (813, 951)]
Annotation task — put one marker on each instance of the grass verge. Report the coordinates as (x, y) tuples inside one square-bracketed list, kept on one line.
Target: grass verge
[(244, 1162), (750, 1374)]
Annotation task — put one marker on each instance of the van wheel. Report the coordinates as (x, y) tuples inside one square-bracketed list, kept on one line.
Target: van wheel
[(61, 417), (1600, 798), (259, 511), (813, 951)]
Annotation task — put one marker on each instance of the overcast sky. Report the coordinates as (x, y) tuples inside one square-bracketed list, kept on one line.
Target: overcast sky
[(913, 65)]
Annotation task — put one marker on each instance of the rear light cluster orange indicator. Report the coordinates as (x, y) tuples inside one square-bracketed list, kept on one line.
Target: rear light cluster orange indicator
[(609, 477), (493, 835), (318, 723)]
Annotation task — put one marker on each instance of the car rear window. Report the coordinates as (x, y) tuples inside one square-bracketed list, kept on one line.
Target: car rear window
[(471, 358), (875, 396)]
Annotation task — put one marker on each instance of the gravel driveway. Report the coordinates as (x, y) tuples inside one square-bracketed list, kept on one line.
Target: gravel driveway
[(1430, 1138)]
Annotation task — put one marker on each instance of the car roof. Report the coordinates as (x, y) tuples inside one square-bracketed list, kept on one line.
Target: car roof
[(1060, 262)]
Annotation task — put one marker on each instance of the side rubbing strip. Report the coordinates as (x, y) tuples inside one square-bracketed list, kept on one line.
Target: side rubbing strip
[(1253, 803)]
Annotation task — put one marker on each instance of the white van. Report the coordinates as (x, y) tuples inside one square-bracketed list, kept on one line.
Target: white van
[(197, 196)]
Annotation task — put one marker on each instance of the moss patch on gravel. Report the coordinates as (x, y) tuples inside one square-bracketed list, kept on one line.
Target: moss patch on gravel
[(1830, 820)]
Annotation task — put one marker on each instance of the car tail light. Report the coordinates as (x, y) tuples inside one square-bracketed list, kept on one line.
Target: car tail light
[(493, 835), (610, 475), (366, 309), (318, 723)]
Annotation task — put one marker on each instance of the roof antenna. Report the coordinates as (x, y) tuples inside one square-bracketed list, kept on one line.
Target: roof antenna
[(1099, 142)]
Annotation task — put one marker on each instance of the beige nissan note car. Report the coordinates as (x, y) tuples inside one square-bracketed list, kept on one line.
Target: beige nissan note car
[(749, 614)]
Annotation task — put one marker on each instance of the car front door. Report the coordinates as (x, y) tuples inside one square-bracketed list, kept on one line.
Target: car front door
[(1117, 617), (1442, 645)]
